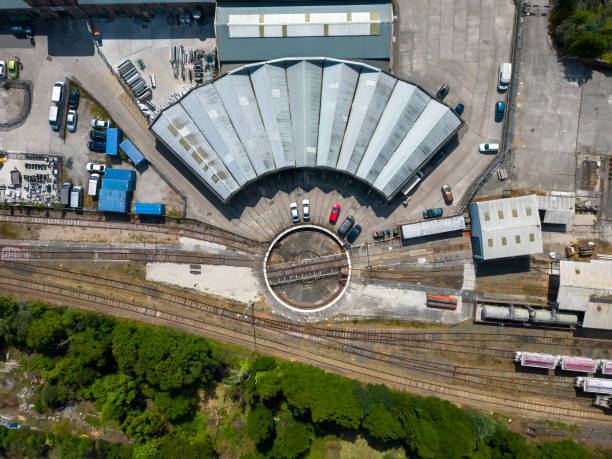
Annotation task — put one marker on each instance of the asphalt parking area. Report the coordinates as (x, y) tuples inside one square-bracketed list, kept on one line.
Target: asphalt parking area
[(594, 133), (459, 43)]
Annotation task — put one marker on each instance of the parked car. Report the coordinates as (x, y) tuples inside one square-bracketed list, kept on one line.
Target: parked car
[(333, 217), (13, 68), (442, 92), (488, 147), (73, 99), (2, 69), (57, 92), (346, 226), (96, 146), (378, 235), (101, 124), (306, 209), (500, 109), (432, 213), (447, 194), (459, 109), (354, 234), (94, 167), (295, 216), (71, 120), (97, 135)]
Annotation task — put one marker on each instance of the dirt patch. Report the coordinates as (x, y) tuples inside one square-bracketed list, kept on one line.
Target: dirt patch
[(12, 101), (82, 234), (14, 231)]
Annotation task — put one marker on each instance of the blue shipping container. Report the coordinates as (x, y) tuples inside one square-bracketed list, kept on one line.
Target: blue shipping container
[(113, 195), (113, 135), (145, 208), (121, 185), (132, 152), (108, 205), (119, 174)]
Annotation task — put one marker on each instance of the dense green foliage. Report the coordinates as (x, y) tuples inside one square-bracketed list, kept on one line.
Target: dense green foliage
[(146, 380), (584, 27), (34, 443)]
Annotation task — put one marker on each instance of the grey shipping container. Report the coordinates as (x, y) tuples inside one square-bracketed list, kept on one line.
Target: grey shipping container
[(65, 194)]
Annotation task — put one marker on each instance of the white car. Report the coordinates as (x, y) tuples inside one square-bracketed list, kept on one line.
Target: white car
[(2, 69), (306, 209), (71, 121), (488, 148), (93, 167), (101, 124), (295, 216)]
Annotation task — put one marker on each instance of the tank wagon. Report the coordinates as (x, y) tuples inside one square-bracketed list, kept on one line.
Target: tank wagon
[(605, 366), (578, 364), (594, 385), (509, 313)]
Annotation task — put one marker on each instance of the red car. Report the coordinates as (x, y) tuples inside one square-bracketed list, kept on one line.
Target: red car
[(333, 217)]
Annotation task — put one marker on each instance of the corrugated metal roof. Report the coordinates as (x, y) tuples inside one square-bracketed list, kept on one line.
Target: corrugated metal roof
[(148, 208), (112, 141), (506, 227), (433, 227), (559, 210), (258, 31), (311, 112), (132, 152)]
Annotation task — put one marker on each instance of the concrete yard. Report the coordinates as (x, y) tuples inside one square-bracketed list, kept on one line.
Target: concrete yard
[(227, 281)]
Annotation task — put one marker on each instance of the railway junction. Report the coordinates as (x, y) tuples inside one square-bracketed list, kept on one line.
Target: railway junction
[(433, 306)]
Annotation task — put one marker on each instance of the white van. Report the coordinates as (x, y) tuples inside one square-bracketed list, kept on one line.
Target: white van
[(54, 117), (58, 92), (92, 188), (505, 73)]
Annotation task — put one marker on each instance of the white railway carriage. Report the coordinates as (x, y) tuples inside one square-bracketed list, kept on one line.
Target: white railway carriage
[(579, 364), (594, 385), (530, 359)]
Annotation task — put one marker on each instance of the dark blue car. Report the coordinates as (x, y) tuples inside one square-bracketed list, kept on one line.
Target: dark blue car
[(459, 109), (432, 213), (500, 109), (354, 234)]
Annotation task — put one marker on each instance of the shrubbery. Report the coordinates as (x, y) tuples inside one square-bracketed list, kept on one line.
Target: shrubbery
[(583, 27)]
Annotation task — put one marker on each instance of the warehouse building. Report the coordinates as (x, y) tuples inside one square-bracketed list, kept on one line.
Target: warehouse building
[(587, 287), (443, 227), (504, 228), (310, 112), (557, 210), (260, 31)]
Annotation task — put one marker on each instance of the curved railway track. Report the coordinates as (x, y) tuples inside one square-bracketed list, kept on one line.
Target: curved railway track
[(197, 230), (465, 374), (528, 404)]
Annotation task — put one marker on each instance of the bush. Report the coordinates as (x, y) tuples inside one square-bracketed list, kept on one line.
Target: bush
[(260, 424)]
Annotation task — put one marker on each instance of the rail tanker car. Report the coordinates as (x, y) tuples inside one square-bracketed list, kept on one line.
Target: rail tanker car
[(605, 366)]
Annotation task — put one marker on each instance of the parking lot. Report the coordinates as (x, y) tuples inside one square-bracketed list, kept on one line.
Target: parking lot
[(35, 136)]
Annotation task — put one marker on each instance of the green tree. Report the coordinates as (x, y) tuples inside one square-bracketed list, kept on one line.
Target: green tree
[(508, 445), (293, 439), (51, 396), (382, 425), (586, 44), (260, 424), (185, 446), (45, 332), (561, 450), (144, 425), (174, 406), (114, 396)]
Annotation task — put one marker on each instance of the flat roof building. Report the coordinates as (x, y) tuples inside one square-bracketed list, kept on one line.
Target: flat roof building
[(587, 287), (504, 228), (260, 31), (433, 227)]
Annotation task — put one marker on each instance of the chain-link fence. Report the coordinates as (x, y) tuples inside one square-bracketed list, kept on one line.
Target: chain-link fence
[(25, 108)]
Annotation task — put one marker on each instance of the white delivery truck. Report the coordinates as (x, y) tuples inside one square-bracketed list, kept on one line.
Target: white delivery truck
[(76, 197), (54, 117), (92, 189)]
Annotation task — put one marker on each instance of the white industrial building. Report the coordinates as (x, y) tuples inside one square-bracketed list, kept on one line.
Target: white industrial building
[(587, 287), (435, 227), (306, 112), (504, 228), (558, 209)]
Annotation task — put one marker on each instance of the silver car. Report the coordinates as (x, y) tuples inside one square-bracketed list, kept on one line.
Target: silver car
[(71, 121), (306, 209), (295, 216)]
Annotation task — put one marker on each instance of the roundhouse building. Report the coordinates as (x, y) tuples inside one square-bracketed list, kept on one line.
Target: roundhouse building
[(305, 112)]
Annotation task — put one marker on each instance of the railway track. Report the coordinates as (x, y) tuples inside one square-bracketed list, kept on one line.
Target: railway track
[(463, 373), (196, 230), (363, 371), (158, 255)]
